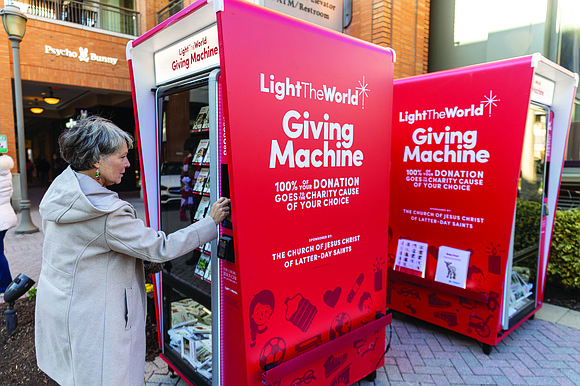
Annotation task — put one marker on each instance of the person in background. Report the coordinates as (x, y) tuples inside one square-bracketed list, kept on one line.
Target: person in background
[(187, 181), (7, 216), (43, 168), (30, 170), (91, 299)]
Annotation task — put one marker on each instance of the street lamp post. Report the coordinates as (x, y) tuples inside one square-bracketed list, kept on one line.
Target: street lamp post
[(14, 22)]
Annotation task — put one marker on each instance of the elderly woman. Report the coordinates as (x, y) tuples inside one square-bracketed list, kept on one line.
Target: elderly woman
[(90, 305)]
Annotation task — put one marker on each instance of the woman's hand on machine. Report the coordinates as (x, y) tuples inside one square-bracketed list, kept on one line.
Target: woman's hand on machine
[(220, 210)]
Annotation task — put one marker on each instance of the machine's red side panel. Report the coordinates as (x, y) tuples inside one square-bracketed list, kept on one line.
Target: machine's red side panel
[(457, 147), (309, 151)]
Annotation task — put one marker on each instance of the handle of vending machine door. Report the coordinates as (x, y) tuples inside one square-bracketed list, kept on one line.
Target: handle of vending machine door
[(227, 222), (271, 375), (225, 192), (548, 157)]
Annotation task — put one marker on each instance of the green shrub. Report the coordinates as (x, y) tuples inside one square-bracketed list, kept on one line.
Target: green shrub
[(527, 233), (528, 223), (31, 293), (564, 264)]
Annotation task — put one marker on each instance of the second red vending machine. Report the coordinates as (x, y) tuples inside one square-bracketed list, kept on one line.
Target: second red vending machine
[(292, 122), (476, 163)]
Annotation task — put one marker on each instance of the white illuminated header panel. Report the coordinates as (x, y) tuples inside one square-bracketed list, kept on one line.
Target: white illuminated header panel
[(543, 90), (188, 56)]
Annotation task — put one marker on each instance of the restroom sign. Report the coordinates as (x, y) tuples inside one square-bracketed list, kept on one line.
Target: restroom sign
[(3, 144)]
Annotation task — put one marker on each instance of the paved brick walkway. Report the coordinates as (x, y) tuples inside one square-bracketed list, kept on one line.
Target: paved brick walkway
[(543, 351), (537, 353)]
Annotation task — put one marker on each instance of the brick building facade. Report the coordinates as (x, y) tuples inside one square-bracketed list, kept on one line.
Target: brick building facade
[(402, 25), (38, 66), (399, 24)]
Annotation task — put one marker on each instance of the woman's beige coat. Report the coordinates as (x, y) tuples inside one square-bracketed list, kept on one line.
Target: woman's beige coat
[(90, 305)]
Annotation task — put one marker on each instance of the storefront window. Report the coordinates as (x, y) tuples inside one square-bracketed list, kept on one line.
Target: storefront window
[(569, 25), (569, 57)]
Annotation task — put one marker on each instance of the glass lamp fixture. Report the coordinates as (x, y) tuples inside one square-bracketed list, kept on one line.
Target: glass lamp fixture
[(14, 22), (51, 99), (36, 109)]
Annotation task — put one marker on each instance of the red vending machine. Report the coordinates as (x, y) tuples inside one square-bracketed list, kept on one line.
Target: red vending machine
[(234, 100), (477, 156)]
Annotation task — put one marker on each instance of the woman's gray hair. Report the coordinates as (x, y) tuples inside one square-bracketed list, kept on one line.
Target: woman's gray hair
[(90, 139)]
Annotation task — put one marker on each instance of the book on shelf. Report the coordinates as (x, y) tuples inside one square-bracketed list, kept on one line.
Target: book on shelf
[(206, 157), (199, 154), (187, 310), (205, 123), (176, 335), (201, 117), (411, 257), (187, 347), (198, 330), (203, 350), (200, 181), (206, 370), (207, 274), (195, 172), (206, 188), (197, 352), (207, 247), (201, 209), (452, 266), (202, 265)]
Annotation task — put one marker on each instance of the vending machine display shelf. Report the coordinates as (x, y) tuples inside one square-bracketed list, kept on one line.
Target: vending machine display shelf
[(187, 327), (529, 252), (196, 288), (183, 368), (445, 288)]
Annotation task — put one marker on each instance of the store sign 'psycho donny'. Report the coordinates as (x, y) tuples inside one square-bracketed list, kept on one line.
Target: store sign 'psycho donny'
[(83, 55), (305, 125)]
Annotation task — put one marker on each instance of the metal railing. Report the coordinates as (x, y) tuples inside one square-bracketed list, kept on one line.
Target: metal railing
[(169, 10), (85, 12)]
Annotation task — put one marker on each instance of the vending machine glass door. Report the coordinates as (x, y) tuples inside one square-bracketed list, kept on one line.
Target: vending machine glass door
[(521, 281), (183, 111)]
